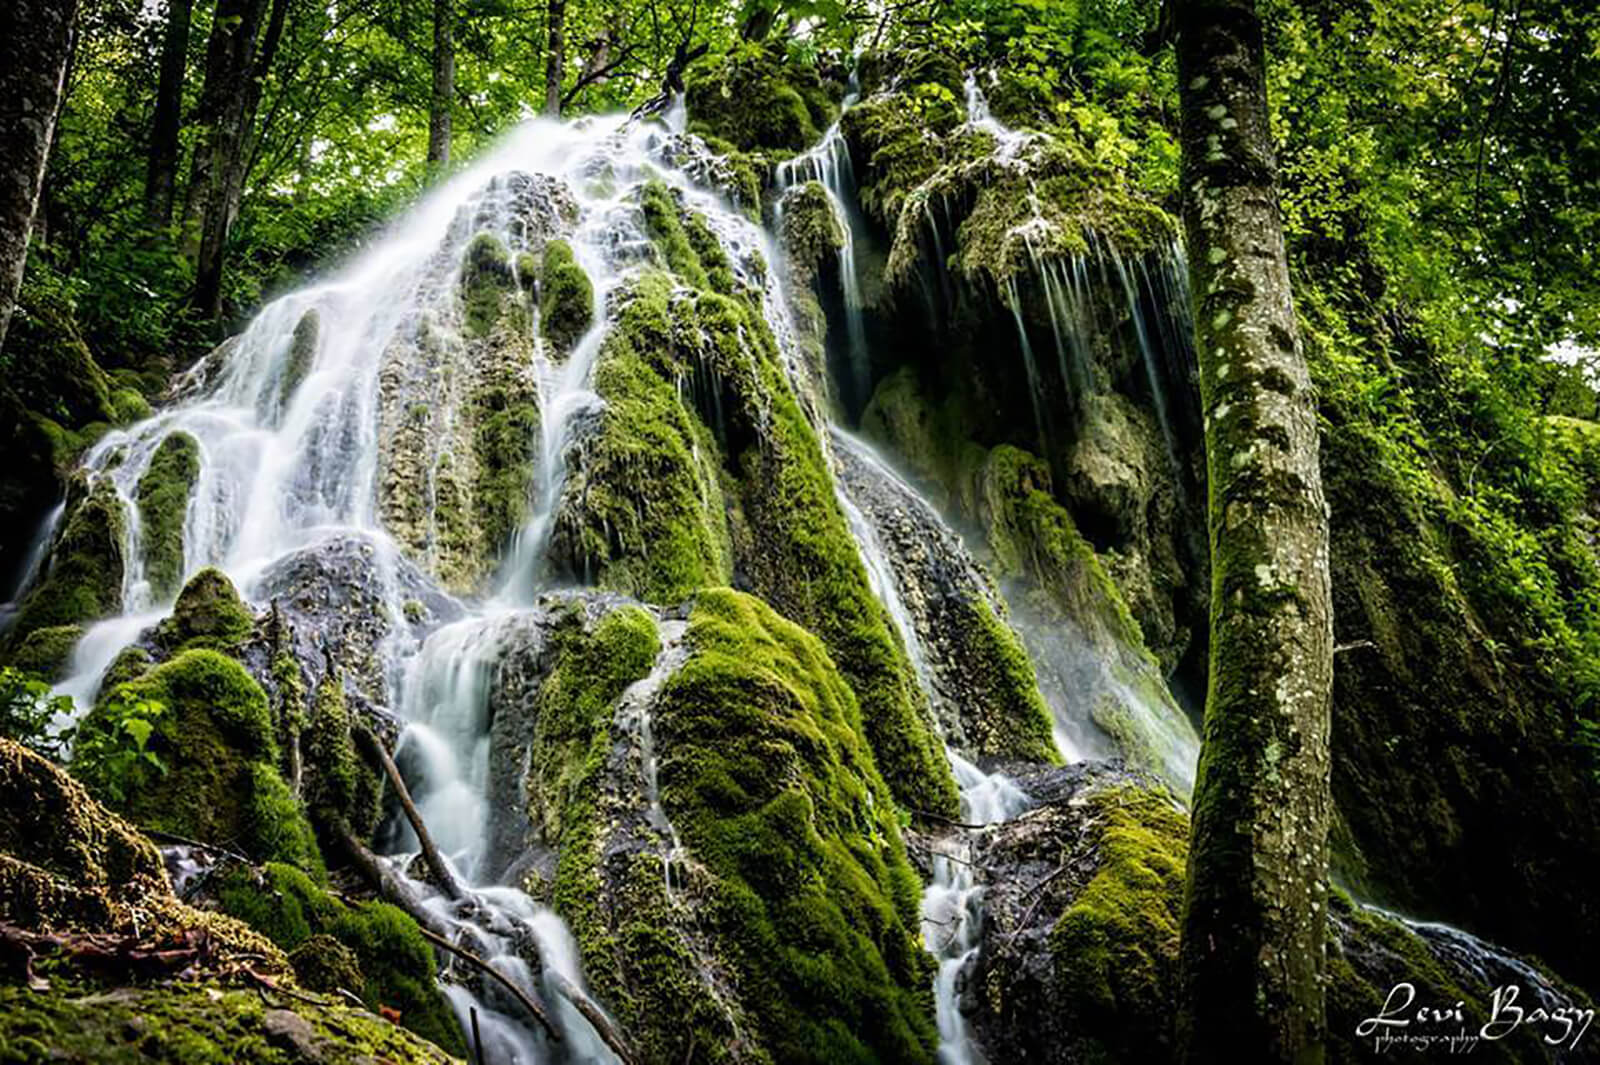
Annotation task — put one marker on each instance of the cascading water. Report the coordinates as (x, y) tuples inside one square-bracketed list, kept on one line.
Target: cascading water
[(294, 426), (290, 421), (828, 164)]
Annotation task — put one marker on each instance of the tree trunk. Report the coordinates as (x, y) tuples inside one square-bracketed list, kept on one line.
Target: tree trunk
[(35, 41), (1253, 946), (444, 83), (555, 55), (162, 165), (239, 67)]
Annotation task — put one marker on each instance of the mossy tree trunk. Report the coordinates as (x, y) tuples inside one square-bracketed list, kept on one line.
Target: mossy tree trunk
[(1253, 948), (444, 82), (35, 40)]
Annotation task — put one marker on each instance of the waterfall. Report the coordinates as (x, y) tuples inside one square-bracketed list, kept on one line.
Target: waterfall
[(828, 163), (289, 420)]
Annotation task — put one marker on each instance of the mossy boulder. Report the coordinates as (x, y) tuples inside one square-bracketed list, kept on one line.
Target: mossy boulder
[(765, 776), (302, 353), (84, 579), (208, 613), (751, 98), (487, 282), (340, 786), (163, 499), (210, 773), (372, 941), (566, 296), (645, 512), (202, 1023), (67, 864), (46, 652)]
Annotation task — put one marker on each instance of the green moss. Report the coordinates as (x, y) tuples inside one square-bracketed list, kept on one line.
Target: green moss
[(50, 368), (1116, 946), (322, 963), (302, 351), (163, 505), (1015, 721), (341, 785), (650, 515), (396, 965), (505, 436), (487, 281), (810, 229), (46, 652), (208, 613), (216, 781), (197, 1024), (751, 98), (591, 671), (128, 406), (566, 296), (770, 785), (661, 215), (84, 581)]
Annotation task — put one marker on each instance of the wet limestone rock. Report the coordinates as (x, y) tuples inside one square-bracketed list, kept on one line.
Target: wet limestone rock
[(985, 693)]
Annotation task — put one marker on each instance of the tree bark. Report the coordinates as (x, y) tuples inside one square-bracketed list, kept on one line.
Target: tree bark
[(162, 165), (555, 55), (444, 83), (236, 66), (1253, 935), (35, 41)]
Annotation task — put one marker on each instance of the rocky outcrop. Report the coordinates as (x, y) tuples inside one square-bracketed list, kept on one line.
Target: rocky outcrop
[(1079, 956), (95, 937)]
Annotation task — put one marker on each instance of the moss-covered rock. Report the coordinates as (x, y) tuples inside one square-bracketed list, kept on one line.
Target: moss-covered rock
[(645, 511), (163, 505), (302, 353), (765, 775), (566, 296), (84, 580), (208, 613), (198, 1024), (394, 963), (751, 98), (212, 775), (46, 652), (69, 865), (340, 785), (488, 283)]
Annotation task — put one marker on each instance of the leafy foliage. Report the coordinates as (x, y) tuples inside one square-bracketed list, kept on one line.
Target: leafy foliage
[(26, 710)]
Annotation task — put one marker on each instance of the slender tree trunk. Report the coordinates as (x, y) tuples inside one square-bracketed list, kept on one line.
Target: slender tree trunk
[(161, 171), (242, 67), (555, 55), (1253, 934), (35, 41), (444, 82)]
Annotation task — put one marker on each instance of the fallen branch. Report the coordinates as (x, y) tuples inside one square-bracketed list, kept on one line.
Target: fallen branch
[(591, 1013), (185, 841), (445, 879), (489, 970), (391, 887)]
